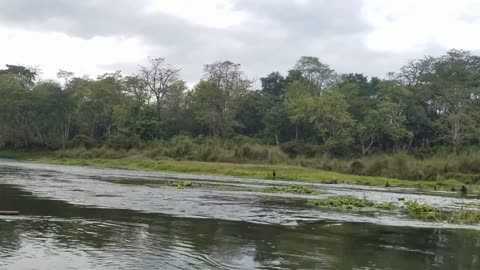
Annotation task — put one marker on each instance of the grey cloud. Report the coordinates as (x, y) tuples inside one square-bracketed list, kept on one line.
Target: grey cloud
[(276, 34), (89, 18), (314, 17)]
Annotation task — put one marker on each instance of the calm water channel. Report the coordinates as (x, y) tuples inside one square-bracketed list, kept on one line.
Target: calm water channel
[(83, 218)]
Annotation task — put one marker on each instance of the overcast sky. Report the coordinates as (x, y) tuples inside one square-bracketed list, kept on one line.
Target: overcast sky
[(96, 36)]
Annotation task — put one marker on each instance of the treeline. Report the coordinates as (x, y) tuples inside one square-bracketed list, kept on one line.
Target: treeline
[(430, 104)]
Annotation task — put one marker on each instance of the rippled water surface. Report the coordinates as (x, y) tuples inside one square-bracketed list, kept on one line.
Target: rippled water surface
[(84, 218)]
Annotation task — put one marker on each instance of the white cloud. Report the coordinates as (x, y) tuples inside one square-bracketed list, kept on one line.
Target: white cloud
[(52, 51), (211, 13), (412, 25)]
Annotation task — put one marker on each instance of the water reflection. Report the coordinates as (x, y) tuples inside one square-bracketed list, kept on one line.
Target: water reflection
[(57, 235)]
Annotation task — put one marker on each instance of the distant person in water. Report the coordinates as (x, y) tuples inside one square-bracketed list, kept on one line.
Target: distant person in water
[(274, 175), (464, 190)]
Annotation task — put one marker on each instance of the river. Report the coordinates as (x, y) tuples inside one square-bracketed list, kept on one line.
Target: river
[(84, 218)]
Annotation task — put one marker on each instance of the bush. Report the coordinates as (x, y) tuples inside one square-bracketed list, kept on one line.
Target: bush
[(357, 167), (251, 152), (180, 147), (82, 141), (121, 139), (294, 149)]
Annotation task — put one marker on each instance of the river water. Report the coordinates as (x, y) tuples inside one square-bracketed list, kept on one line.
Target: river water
[(85, 218)]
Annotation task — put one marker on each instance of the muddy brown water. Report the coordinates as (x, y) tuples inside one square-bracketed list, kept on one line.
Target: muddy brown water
[(77, 218)]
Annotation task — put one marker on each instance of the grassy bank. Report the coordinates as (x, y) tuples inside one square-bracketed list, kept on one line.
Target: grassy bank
[(260, 171), (438, 166)]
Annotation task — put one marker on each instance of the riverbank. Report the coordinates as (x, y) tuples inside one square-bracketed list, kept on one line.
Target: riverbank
[(259, 171)]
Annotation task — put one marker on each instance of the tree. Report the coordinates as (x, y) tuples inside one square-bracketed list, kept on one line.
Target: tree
[(297, 95), (14, 102), (277, 124), (430, 102), (252, 108), (210, 104), (228, 77), (216, 96), (328, 116), (159, 78), (332, 122), (413, 73), (135, 87), (27, 76), (315, 72), (451, 88), (274, 84), (175, 107)]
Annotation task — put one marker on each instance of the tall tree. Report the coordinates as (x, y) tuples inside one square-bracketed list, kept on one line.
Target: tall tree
[(159, 77), (216, 96), (274, 84), (315, 72)]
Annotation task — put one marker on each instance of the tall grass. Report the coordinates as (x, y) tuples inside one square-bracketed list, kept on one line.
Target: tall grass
[(464, 167)]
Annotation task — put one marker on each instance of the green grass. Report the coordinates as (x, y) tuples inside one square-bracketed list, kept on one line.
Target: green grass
[(24, 155), (181, 185), (351, 203), (429, 213), (260, 171), (413, 209), (343, 202), (295, 189), (284, 172)]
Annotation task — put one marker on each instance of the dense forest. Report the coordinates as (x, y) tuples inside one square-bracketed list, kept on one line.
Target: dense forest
[(431, 104)]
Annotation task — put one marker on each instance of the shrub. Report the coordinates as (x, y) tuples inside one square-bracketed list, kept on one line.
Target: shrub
[(357, 167), (123, 140), (82, 141), (294, 149), (275, 155)]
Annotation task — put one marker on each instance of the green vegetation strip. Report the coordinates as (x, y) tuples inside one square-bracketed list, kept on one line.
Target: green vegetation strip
[(351, 203), (413, 209), (259, 171), (181, 185), (295, 189), (428, 213)]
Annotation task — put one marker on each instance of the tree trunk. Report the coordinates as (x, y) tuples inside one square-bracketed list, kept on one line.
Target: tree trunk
[(38, 133), (365, 149), (66, 131)]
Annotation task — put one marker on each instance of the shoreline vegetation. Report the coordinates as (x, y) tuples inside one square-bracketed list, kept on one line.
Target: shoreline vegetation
[(335, 171), (410, 209), (103, 158)]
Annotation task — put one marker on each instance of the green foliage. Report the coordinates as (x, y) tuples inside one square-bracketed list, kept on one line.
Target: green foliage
[(422, 211), (274, 84), (386, 206), (82, 141), (181, 185), (429, 213), (295, 189), (343, 202), (357, 167), (414, 209)]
